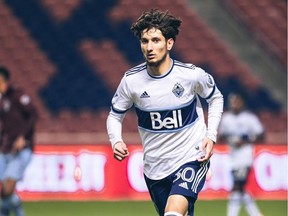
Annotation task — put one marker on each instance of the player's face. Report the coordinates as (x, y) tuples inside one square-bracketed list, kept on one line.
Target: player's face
[(155, 47), (236, 103)]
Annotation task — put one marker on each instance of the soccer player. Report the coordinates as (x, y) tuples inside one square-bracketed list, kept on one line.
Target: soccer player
[(176, 142), (17, 118), (240, 128)]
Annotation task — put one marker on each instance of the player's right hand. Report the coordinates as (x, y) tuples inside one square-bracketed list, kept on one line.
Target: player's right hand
[(120, 151)]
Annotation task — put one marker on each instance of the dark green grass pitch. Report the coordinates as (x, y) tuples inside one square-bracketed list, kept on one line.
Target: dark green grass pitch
[(133, 208)]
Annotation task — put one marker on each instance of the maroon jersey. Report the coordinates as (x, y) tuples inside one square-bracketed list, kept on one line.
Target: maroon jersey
[(17, 118)]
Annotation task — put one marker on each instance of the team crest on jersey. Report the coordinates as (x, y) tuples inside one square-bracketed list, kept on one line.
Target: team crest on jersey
[(178, 90)]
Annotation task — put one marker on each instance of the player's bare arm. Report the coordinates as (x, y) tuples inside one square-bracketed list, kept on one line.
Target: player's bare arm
[(208, 146), (120, 151)]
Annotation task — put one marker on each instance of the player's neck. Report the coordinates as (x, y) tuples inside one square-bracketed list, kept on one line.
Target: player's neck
[(162, 68), (237, 111)]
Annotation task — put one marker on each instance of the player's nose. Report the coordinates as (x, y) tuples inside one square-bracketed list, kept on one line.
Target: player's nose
[(149, 46)]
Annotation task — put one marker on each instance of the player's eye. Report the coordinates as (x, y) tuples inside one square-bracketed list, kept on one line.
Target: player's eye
[(144, 41), (156, 40)]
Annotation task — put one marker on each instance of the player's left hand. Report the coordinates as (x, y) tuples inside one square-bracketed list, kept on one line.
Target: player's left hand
[(18, 144), (207, 146)]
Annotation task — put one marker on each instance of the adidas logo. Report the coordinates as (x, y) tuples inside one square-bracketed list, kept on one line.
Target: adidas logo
[(184, 185), (144, 95)]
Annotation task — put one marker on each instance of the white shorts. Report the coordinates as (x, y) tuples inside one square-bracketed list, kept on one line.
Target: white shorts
[(13, 165)]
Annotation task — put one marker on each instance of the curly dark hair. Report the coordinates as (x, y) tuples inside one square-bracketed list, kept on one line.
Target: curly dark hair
[(161, 20)]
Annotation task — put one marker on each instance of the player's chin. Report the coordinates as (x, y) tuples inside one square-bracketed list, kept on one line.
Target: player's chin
[(152, 62)]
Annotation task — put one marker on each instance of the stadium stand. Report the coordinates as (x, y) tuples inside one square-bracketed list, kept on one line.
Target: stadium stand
[(70, 55), (266, 20)]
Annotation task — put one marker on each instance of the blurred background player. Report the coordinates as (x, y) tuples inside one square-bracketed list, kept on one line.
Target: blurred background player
[(240, 129), (17, 117), (176, 141)]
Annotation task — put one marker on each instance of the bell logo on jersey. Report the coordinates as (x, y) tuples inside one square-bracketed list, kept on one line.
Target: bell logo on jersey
[(173, 122), (167, 120)]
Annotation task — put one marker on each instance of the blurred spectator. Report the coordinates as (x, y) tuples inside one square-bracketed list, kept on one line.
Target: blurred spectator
[(240, 129), (17, 117)]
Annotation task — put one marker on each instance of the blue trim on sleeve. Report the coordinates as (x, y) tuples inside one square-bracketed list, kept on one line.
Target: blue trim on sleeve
[(211, 94), (118, 111)]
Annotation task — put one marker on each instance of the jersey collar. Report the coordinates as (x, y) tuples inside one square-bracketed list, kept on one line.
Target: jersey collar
[(164, 75)]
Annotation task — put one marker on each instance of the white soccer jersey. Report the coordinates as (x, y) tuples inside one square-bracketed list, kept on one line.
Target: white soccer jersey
[(234, 126), (170, 117)]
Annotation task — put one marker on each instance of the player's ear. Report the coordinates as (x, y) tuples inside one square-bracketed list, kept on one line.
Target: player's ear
[(170, 43)]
